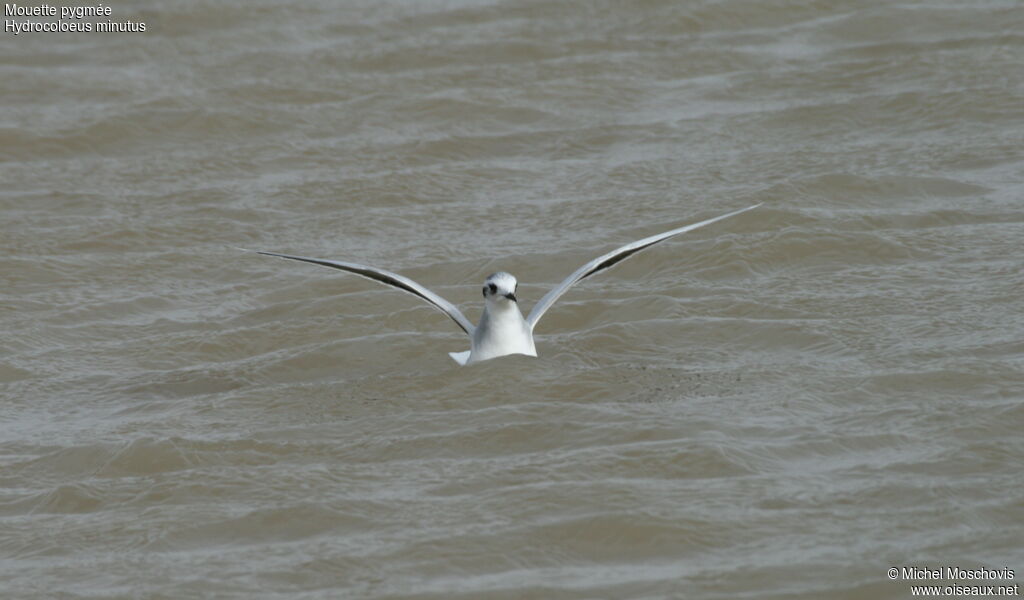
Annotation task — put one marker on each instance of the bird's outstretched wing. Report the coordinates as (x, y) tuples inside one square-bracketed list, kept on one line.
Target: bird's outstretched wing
[(614, 257), (393, 279)]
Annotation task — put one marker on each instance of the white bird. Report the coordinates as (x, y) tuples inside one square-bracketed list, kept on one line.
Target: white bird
[(502, 329)]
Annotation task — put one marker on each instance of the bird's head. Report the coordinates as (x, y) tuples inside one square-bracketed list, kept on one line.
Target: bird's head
[(500, 287)]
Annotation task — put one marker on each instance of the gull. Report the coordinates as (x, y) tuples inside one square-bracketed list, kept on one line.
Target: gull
[(502, 329)]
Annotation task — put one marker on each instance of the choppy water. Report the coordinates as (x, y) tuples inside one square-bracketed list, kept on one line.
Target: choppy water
[(782, 405)]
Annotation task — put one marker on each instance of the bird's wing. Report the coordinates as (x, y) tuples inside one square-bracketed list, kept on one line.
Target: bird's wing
[(614, 257), (394, 280)]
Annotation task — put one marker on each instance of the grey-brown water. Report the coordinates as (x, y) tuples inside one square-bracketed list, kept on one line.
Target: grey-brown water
[(782, 405)]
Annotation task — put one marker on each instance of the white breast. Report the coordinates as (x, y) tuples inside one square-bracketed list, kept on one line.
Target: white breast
[(502, 330)]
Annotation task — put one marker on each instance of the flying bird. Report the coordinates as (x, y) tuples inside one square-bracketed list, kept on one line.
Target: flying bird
[(502, 329)]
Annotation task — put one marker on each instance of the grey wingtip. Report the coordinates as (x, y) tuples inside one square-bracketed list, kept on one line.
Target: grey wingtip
[(264, 253)]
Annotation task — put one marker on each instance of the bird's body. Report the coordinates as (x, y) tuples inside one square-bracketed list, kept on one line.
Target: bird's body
[(502, 330)]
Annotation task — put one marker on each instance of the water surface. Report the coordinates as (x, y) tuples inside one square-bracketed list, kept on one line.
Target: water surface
[(782, 405)]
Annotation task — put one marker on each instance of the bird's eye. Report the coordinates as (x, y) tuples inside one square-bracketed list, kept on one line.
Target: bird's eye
[(492, 287)]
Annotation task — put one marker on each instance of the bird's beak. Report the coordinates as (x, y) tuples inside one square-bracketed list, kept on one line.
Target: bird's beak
[(511, 297)]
